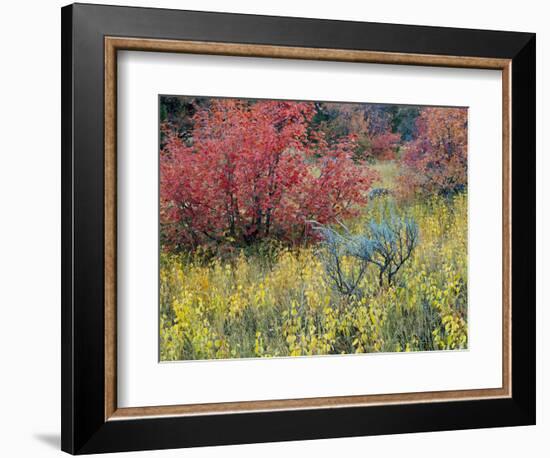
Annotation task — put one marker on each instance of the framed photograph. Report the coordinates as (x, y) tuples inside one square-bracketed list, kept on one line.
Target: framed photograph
[(281, 228)]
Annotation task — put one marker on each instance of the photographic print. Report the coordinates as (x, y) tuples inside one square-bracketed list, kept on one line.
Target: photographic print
[(302, 228)]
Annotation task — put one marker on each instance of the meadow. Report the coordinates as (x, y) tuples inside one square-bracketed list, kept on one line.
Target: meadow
[(332, 291)]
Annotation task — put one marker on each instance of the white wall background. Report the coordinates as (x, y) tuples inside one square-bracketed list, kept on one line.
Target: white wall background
[(30, 227)]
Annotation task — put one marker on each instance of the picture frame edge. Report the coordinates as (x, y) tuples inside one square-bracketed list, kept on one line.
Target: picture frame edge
[(96, 432)]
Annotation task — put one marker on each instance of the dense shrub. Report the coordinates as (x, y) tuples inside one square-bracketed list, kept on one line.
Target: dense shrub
[(211, 308), (437, 159), (252, 171)]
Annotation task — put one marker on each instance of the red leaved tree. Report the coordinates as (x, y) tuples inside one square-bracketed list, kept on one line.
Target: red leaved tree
[(372, 127), (438, 157), (250, 171)]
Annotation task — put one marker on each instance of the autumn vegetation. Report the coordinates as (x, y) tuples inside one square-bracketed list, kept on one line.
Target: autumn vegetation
[(310, 228)]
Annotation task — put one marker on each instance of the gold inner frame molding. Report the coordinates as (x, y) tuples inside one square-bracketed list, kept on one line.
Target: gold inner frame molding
[(114, 44)]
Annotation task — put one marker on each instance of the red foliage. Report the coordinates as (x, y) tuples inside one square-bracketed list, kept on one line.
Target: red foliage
[(383, 146), (251, 172), (438, 158), (373, 131)]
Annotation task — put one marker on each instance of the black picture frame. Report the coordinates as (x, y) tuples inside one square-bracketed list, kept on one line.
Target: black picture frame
[(84, 428)]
